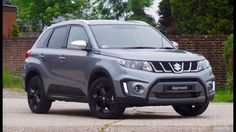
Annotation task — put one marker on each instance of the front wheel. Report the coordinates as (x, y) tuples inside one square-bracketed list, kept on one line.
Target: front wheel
[(191, 110), (102, 99)]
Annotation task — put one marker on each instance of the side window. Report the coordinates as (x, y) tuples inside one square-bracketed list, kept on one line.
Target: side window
[(77, 33), (165, 42), (43, 38), (58, 37)]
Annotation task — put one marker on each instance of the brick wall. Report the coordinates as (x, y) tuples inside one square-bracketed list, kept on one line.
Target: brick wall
[(14, 50), (9, 17), (210, 46)]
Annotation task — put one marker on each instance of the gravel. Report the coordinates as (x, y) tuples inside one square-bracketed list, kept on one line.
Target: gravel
[(11, 93)]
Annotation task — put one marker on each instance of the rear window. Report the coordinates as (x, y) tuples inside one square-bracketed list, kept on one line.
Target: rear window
[(58, 37), (42, 40)]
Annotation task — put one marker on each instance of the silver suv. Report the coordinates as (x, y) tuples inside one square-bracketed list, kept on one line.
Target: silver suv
[(112, 65)]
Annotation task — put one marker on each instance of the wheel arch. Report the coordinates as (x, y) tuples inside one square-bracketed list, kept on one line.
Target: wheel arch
[(31, 73), (98, 72)]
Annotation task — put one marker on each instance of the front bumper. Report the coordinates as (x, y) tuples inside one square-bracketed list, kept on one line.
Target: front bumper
[(154, 93)]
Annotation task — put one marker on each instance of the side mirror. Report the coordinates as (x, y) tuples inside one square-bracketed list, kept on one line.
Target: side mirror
[(175, 44), (78, 44)]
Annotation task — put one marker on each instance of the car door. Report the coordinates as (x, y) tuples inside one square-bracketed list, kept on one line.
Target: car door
[(73, 67), (52, 58), (39, 52)]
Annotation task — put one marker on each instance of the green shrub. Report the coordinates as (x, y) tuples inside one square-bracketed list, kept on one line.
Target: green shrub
[(16, 30), (12, 81), (228, 47), (30, 28), (223, 95)]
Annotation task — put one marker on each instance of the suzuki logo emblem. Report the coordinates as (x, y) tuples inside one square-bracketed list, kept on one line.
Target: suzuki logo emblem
[(177, 67)]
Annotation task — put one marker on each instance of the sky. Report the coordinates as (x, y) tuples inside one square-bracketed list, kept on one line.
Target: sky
[(153, 10)]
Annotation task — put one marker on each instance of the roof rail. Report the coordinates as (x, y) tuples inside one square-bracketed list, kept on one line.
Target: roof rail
[(45, 27), (137, 21), (54, 22), (83, 20)]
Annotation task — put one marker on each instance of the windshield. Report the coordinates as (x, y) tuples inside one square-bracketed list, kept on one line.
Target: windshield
[(128, 36)]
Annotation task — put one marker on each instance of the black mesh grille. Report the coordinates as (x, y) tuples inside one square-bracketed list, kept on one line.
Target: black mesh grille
[(166, 66), (157, 65), (194, 65), (178, 95), (175, 66), (186, 65)]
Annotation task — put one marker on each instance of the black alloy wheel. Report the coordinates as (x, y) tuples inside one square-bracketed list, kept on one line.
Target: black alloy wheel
[(191, 110), (102, 99), (37, 101)]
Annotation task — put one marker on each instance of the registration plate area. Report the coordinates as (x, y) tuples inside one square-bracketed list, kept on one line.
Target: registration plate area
[(179, 88)]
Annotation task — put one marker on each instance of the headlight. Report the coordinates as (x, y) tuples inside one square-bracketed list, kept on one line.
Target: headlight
[(203, 65), (139, 65)]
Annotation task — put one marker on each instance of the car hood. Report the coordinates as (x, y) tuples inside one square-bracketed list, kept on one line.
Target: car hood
[(152, 54)]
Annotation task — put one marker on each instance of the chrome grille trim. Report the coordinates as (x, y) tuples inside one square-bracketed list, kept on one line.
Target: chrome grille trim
[(155, 68), (175, 70), (195, 69), (189, 66), (164, 68)]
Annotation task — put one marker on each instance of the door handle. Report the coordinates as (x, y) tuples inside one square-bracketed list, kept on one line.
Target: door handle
[(41, 55), (62, 58)]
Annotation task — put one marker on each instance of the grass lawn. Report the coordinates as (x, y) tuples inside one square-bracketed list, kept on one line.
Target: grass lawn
[(223, 95), (12, 81)]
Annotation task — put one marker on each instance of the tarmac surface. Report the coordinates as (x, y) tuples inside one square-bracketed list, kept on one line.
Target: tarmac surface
[(70, 117)]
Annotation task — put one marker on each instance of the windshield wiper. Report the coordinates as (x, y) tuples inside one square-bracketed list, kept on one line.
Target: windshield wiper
[(139, 47), (166, 47)]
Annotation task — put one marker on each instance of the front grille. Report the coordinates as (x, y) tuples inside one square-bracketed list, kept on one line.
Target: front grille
[(178, 95), (175, 66)]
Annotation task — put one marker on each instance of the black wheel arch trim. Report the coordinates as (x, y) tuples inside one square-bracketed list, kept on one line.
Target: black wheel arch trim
[(97, 70), (31, 69)]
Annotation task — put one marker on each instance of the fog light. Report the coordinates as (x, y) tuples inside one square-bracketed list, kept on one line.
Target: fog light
[(210, 87), (139, 89)]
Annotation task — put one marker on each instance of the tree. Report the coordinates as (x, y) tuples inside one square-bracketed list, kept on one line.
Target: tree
[(38, 14), (41, 13), (120, 9), (203, 16), (137, 8), (110, 9), (167, 22), (79, 9)]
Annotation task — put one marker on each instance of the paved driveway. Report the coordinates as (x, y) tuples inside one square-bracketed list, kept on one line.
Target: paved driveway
[(69, 117)]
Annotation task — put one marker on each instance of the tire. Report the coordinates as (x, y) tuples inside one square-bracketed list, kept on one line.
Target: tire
[(191, 110), (37, 100), (102, 99)]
